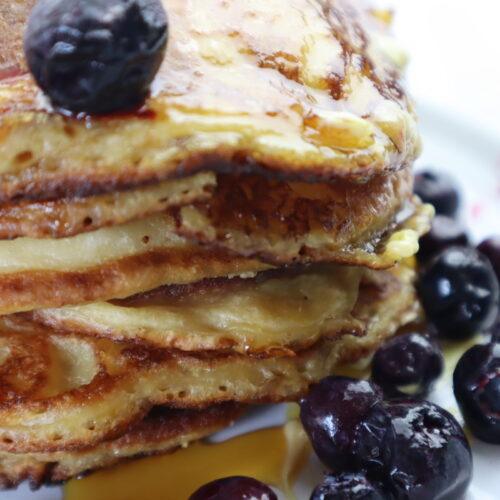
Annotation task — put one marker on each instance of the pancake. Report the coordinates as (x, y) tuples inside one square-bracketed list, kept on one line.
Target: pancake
[(280, 244), (274, 312), (255, 213), (281, 223), (161, 431), (71, 216), (113, 262), (277, 222), (232, 96), (63, 392), (119, 261)]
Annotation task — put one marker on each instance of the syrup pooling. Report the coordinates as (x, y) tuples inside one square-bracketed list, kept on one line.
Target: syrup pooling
[(274, 456)]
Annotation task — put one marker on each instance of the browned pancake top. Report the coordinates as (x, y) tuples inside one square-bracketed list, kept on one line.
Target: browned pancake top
[(305, 88)]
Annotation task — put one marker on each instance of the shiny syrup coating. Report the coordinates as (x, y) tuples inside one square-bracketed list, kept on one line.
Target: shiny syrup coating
[(324, 103)]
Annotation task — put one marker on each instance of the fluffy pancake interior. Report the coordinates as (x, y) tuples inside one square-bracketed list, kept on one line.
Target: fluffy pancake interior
[(130, 378), (276, 311), (90, 249), (111, 262), (117, 242), (323, 103)]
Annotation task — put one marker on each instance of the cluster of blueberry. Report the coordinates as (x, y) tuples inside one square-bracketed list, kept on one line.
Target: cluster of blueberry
[(460, 293), (375, 450), (458, 286), (401, 449)]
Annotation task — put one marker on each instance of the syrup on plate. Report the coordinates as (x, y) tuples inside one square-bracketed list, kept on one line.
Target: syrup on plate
[(274, 456)]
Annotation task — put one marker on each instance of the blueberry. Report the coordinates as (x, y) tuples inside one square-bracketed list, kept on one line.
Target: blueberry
[(491, 248), (348, 486), (495, 330), (431, 455), (407, 365), (347, 424), (444, 232), (459, 292), (96, 56), (476, 384), (438, 189), (234, 488)]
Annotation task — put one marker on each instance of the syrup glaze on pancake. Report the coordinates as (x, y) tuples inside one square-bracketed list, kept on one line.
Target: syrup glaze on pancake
[(354, 230), (232, 95), (94, 389), (284, 222), (161, 431), (275, 312)]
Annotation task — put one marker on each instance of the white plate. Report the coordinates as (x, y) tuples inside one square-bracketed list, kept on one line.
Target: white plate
[(474, 160)]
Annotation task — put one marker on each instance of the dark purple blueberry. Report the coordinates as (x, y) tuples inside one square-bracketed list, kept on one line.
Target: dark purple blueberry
[(476, 383), (431, 457), (459, 292), (495, 330), (347, 424), (348, 486), (407, 365), (491, 248), (438, 189), (445, 232), (96, 56), (234, 488)]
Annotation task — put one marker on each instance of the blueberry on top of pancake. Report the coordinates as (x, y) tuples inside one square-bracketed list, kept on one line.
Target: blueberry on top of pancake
[(96, 56)]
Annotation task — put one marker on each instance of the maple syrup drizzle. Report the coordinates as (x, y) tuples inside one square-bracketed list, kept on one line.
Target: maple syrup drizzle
[(275, 456)]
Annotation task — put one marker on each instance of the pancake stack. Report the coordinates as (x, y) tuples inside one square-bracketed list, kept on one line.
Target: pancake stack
[(233, 241)]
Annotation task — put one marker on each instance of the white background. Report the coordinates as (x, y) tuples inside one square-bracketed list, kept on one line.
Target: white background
[(454, 46)]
